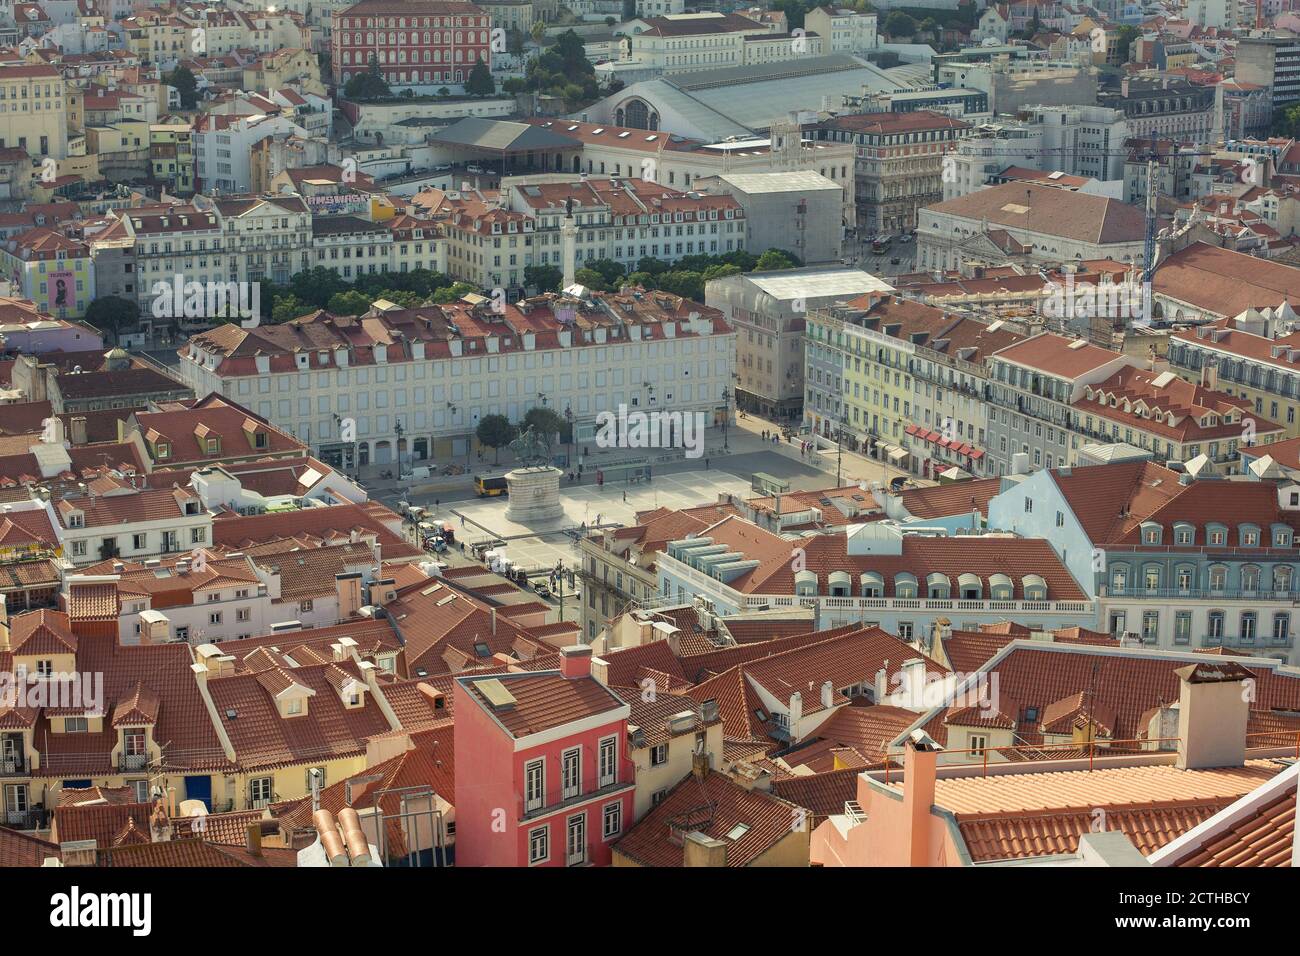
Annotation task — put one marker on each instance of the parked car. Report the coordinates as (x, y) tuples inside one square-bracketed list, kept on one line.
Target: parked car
[(895, 261), (542, 589)]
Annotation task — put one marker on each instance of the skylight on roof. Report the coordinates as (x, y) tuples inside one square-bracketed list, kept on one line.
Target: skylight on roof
[(597, 132), (738, 831), (624, 135), (652, 138)]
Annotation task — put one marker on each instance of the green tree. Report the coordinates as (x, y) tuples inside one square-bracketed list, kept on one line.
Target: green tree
[(688, 284), (453, 293), (350, 302), (543, 278), (794, 10), (288, 308), (495, 431), (610, 271), (480, 82), (774, 259), (368, 85), (186, 85), (444, 92), (317, 285), (545, 421), (899, 24), (113, 314), (652, 266), (514, 85), (1286, 122), (591, 279), (538, 31)]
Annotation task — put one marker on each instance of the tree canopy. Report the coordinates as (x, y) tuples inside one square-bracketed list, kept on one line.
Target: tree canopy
[(495, 431), (369, 85)]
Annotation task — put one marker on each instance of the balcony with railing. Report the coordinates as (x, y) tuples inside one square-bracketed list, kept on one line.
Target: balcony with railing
[(13, 766), (130, 763), (532, 809)]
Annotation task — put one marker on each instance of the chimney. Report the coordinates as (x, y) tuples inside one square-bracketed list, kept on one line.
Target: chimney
[(575, 661), (701, 850), (253, 839), (354, 837), (919, 767), (383, 592), (79, 430), (914, 682), (1213, 704), (348, 589), (796, 712), (828, 695), (600, 670), (79, 853), (700, 766), (330, 838)]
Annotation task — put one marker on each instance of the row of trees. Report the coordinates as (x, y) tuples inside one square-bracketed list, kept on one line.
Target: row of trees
[(321, 287), (685, 277), (497, 431)]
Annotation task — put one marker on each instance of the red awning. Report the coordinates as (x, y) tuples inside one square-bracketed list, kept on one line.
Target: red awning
[(912, 429), (977, 454)]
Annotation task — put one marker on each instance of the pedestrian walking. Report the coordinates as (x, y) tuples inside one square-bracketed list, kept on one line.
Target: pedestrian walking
[(625, 497)]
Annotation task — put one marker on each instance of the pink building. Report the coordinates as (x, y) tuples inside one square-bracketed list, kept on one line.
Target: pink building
[(543, 776)]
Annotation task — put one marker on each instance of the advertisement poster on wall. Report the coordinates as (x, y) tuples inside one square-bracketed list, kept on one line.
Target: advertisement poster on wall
[(61, 289)]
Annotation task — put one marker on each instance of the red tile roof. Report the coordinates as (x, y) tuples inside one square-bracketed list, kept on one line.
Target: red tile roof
[(545, 700), (1257, 830), (715, 806)]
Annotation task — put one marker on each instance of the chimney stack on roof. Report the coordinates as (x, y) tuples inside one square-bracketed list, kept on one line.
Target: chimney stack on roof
[(575, 661), (1213, 706), (920, 761)]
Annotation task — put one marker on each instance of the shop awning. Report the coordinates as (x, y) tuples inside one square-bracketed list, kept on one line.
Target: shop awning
[(897, 454)]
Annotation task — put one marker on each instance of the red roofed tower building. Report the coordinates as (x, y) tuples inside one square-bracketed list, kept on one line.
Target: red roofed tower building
[(543, 776)]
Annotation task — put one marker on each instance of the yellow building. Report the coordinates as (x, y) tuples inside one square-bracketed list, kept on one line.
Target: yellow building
[(875, 379), (158, 37), (33, 110), (53, 271)]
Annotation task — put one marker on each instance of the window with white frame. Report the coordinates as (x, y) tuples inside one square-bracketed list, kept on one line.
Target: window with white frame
[(570, 773), (608, 761), (534, 785), (612, 820), (539, 845)]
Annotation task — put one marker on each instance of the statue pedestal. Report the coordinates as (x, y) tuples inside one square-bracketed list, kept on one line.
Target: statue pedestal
[(534, 494)]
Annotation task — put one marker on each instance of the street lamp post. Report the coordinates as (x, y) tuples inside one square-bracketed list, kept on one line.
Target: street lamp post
[(398, 430), (568, 417), (726, 417)]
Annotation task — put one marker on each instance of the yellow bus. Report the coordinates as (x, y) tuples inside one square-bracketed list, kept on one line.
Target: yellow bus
[(490, 487)]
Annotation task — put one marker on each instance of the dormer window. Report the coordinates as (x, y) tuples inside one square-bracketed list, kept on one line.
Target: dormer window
[(76, 520), (213, 445), (259, 440), (293, 707), (45, 667), (164, 450)]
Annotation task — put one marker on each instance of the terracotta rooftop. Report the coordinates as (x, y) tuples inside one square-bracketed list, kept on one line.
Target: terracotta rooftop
[(544, 700), (717, 807)]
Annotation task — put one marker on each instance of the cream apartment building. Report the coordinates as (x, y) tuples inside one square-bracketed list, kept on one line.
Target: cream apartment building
[(33, 111)]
